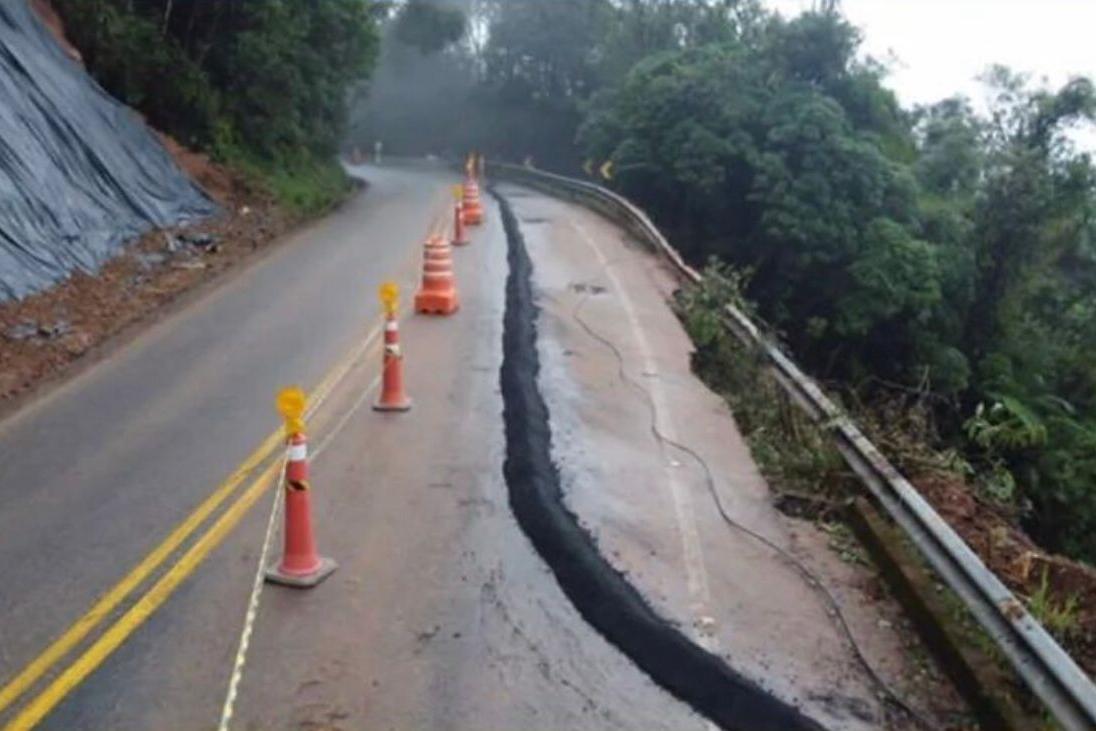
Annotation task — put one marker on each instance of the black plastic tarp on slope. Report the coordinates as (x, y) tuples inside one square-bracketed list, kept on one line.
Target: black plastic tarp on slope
[(80, 174)]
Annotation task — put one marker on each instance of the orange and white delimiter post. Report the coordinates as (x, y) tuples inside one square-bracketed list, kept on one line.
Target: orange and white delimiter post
[(300, 565), (393, 397), (437, 294), (460, 236)]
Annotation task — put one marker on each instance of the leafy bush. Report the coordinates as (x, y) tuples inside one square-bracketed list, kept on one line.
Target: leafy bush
[(933, 247), (265, 81)]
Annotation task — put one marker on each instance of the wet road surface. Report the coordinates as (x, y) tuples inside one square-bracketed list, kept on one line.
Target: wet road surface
[(623, 403), (441, 614), (449, 618), (95, 474)]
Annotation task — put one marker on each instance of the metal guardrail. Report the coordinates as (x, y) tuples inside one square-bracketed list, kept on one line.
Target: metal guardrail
[(1052, 675)]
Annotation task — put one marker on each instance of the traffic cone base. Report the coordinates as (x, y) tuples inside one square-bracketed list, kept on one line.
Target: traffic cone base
[(323, 568), (437, 303), (404, 405)]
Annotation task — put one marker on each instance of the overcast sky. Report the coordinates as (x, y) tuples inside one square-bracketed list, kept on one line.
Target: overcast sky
[(940, 46)]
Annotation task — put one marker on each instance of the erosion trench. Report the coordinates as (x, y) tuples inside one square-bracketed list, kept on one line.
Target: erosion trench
[(600, 593), (510, 551)]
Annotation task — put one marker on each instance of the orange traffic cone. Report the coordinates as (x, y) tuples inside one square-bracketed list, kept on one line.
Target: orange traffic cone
[(300, 565), (438, 293), (473, 210), (392, 397), (460, 236)]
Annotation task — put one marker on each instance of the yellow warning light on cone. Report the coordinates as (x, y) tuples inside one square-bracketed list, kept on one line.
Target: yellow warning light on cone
[(291, 403), (301, 566), (389, 292), (458, 192), (393, 397)]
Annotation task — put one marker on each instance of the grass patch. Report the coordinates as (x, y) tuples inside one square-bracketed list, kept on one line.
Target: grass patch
[(1060, 617), (306, 186), (795, 454)]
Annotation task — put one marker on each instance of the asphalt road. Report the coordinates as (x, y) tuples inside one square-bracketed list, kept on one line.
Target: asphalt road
[(94, 475), (441, 614)]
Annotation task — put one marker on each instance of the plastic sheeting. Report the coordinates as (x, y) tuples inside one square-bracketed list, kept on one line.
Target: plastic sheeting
[(80, 174)]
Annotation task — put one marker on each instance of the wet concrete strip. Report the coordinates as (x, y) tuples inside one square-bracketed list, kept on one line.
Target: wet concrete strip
[(601, 594), (772, 621)]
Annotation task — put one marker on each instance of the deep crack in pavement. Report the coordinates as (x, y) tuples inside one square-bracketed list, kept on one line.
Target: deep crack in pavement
[(601, 594)]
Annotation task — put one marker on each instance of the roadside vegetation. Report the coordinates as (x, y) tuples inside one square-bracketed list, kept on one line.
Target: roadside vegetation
[(810, 479), (931, 251), (935, 258), (251, 100), (261, 86)]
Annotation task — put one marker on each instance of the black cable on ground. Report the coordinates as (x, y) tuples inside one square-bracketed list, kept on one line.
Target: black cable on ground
[(601, 594), (809, 577)]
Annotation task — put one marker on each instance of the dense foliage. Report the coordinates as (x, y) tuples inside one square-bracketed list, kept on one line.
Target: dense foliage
[(935, 250), (428, 27), (265, 82)]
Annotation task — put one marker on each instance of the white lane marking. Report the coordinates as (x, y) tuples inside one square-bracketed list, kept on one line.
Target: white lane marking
[(696, 574), (318, 398), (257, 584), (252, 612), (684, 511)]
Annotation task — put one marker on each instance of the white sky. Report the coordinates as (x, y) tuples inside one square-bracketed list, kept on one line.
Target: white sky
[(941, 46)]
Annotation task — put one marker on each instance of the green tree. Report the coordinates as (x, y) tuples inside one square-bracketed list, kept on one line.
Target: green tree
[(1028, 328), (932, 247), (427, 26), (268, 76), (739, 147)]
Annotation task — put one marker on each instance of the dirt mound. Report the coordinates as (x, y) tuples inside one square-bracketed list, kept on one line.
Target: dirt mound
[(1062, 591), (216, 180)]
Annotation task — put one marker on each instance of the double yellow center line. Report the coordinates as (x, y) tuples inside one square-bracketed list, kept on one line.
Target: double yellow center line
[(144, 607), (75, 673)]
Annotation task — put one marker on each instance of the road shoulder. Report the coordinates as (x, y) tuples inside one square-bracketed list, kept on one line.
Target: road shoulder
[(615, 364)]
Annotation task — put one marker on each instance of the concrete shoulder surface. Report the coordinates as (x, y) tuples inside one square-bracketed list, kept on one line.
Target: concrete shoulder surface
[(642, 445)]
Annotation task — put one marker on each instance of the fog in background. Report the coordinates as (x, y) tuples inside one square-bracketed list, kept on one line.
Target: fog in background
[(445, 101), (441, 101), (942, 250)]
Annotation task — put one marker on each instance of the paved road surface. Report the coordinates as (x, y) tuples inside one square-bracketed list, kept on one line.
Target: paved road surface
[(95, 475), (440, 615)]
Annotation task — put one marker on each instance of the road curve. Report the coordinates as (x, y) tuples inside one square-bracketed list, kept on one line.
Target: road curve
[(95, 474), (99, 471), (441, 614)]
